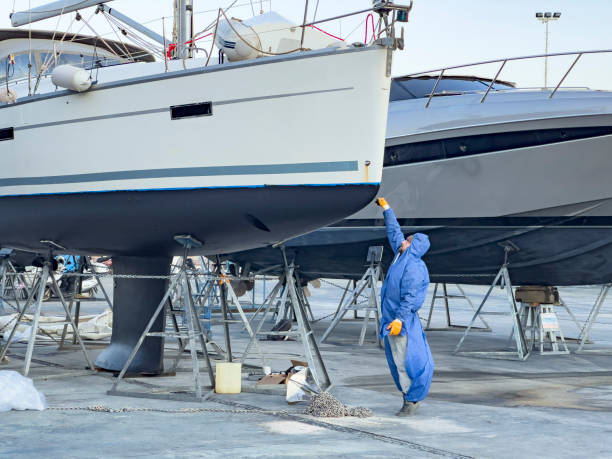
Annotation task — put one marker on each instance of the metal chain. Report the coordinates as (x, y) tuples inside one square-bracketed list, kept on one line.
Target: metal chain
[(144, 276), (361, 295), (106, 409), (462, 275)]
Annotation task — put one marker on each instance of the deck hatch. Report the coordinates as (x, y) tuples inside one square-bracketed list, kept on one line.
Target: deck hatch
[(178, 112), (7, 134)]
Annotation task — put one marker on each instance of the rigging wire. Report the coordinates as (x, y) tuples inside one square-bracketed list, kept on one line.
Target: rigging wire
[(127, 53), (314, 17), (110, 48), (355, 29)]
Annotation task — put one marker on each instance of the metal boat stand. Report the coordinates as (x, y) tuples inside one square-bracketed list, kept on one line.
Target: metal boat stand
[(293, 302), (580, 327), (369, 283), (601, 298), (11, 281), (4, 267), (228, 299), (541, 320), (272, 302), (445, 296), (84, 263), (503, 279), (37, 294), (194, 333), (217, 290)]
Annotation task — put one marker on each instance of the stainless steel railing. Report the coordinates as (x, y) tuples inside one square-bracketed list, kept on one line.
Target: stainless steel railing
[(503, 62)]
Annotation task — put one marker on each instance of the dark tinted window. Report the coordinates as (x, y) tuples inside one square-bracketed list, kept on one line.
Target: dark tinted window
[(487, 143), (7, 134), (178, 112), (48, 61), (417, 88), (17, 71)]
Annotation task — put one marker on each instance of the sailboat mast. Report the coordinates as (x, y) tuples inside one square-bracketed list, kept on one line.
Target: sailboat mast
[(183, 18)]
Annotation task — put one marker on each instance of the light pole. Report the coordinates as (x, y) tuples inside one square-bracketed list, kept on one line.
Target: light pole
[(545, 18)]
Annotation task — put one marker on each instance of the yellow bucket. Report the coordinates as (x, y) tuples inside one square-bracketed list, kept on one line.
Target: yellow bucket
[(228, 379)]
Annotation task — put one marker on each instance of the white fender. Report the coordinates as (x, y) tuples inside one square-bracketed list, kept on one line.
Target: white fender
[(70, 77), (8, 96)]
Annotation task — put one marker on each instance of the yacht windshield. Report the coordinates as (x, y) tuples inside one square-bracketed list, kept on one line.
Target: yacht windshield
[(47, 62), (84, 61), (421, 87), (19, 70)]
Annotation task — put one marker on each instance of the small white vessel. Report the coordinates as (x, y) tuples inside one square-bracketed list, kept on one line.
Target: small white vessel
[(475, 162)]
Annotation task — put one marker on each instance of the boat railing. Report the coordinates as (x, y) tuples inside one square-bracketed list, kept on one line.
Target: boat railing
[(503, 63)]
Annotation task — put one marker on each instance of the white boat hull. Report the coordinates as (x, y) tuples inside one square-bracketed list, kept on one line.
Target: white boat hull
[(298, 139)]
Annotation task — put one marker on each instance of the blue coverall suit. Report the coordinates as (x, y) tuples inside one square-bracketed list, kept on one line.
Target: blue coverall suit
[(403, 293)]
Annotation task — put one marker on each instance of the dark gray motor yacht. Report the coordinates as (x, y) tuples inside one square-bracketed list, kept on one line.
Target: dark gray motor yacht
[(474, 163)]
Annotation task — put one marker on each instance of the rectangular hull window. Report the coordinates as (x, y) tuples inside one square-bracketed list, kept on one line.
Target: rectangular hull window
[(178, 112), (7, 134)]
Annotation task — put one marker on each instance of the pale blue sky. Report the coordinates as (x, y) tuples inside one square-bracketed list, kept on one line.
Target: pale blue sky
[(440, 32)]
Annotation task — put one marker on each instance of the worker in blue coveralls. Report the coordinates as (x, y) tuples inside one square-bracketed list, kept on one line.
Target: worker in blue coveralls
[(403, 293)]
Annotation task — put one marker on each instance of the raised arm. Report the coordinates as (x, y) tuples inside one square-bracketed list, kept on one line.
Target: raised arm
[(394, 232)]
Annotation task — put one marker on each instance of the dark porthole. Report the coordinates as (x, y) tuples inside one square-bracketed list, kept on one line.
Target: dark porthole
[(178, 112), (7, 134)]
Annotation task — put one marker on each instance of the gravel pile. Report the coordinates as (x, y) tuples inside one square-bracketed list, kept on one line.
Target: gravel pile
[(325, 405)]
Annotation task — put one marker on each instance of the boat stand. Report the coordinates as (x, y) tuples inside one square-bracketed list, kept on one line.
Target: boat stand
[(84, 264), (292, 302), (37, 294), (193, 334), (217, 290), (445, 296), (271, 303), (503, 279), (368, 282), (229, 298), (541, 320), (4, 262), (11, 281), (601, 298), (580, 328)]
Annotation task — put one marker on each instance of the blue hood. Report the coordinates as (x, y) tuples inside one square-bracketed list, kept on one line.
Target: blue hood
[(420, 245)]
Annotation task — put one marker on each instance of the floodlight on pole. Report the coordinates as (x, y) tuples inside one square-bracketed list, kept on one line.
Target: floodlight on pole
[(545, 18)]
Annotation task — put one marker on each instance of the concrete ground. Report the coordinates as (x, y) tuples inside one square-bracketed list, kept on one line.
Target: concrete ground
[(547, 406)]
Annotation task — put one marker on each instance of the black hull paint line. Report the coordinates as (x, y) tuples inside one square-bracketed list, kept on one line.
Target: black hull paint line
[(143, 223), (469, 254)]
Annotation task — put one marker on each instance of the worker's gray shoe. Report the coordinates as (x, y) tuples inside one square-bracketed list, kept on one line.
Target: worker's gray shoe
[(408, 409)]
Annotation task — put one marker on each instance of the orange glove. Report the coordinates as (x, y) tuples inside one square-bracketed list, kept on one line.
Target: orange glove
[(382, 202), (395, 327)]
